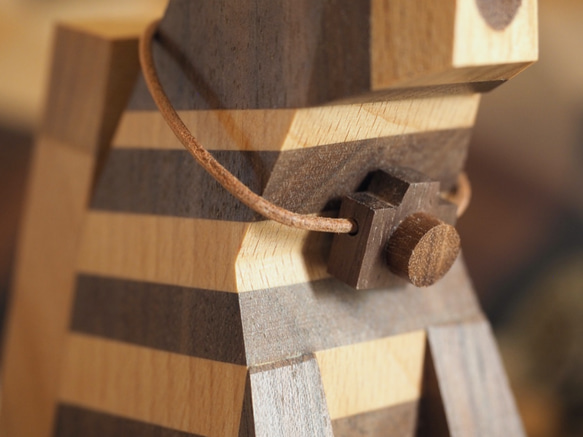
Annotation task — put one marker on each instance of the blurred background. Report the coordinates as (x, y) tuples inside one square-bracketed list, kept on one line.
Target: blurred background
[(522, 235)]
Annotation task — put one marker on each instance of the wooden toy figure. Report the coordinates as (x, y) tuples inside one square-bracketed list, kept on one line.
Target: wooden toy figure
[(254, 236)]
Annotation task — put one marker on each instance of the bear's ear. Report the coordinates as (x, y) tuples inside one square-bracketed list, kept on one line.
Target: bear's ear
[(428, 42)]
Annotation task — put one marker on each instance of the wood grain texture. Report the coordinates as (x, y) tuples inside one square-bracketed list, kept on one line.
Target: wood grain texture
[(288, 399), (37, 322), (450, 42), (94, 67), (432, 421), (226, 258), (187, 394), (73, 421), (264, 39), (335, 170), (84, 101), (247, 425), (398, 113), (422, 249), (187, 321), (277, 323), (283, 322), (185, 252), (373, 375), (472, 382), (499, 13), (169, 182), (399, 420), (382, 212), (487, 43), (393, 43), (358, 259), (290, 97)]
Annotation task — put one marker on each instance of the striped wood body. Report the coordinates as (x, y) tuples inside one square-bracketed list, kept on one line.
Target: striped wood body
[(180, 312)]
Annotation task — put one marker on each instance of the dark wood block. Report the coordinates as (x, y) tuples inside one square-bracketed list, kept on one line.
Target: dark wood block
[(472, 383), (390, 232), (358, 259)]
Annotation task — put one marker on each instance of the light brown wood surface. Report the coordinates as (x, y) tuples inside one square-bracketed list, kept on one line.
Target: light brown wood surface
[(189, 394), (290, 129), (58, 192), (451, 41), (372, 375)]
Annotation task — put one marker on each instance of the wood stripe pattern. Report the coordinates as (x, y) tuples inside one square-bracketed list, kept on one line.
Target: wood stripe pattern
[(74, 421), (150, 302), (256, 327), (139, 181)]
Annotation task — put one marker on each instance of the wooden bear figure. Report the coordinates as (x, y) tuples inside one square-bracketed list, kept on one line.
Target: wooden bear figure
[(149, 301)]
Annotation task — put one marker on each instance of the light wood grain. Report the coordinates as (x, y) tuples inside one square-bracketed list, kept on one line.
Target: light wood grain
[(43, 286), (273, 255), (484, 44), (175, 391), (258, 129), (199, 253), (91, 81), (289, 96), (450, 42), (189, 252), (287, 129), (77, 127), (369, 376)]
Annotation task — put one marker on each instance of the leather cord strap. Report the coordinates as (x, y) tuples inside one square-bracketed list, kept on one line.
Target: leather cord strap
[(233, 185)]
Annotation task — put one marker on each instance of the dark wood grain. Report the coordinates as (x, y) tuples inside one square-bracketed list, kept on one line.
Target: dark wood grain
[(303, 318), (246, 425), (74, 421), (431, 416), (422, 249), (264, 325), (91, 79), (142, 101), (321, 175), (288, 399), (287, 54), (201, 323), (499, 14), (472, 383), (400, 420), (355, 258), (170, 182), (385, 234)]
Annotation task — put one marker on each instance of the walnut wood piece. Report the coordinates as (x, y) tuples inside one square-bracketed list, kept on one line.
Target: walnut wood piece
[(471, 382), (422, 249), (391, 198), (160, 305)]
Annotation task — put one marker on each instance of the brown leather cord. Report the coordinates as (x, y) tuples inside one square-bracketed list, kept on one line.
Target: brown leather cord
[(461, 194), (216, 170)]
